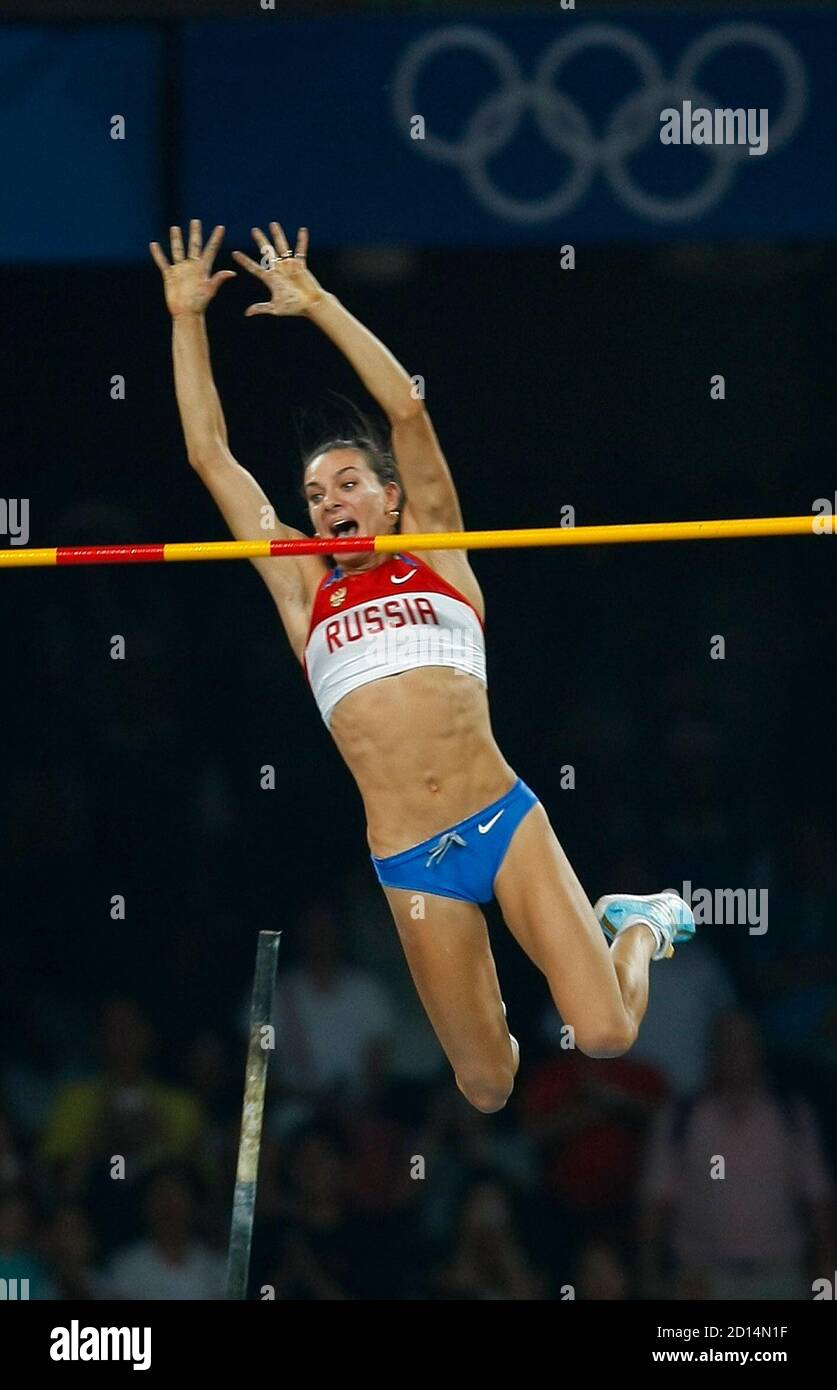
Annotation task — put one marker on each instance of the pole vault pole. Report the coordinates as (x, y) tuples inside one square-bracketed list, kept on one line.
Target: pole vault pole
[(249, 1147)]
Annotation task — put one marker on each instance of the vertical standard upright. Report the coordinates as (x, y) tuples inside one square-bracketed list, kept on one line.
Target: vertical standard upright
[(255, 1077)]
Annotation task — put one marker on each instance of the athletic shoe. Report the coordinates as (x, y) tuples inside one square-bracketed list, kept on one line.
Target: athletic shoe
[(669, 917)]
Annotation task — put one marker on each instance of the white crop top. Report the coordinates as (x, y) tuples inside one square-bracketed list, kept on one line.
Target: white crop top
[(393, 618)]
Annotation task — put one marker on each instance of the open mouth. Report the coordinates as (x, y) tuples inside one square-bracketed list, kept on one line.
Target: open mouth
[(344, 527)]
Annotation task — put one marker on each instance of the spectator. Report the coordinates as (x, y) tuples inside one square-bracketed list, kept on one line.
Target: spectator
[(215, 1084), (11, 1158), (169, 1262), (106, 1132), (685, 998), (686, 995), (320, 1249), (378, 1162), (49, 1032), (601, 1273), (795, 971), (69, 1247), (455, 1140), (334, 1022), (125, 1110), (758, 1228), (488, 1260), (588, 1118), (18, 1258)]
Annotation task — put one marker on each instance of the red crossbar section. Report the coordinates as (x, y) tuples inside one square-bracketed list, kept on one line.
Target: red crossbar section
[(108, 554), (149, 554)]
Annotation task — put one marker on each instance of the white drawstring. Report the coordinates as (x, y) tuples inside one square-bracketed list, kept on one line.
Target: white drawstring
[(449, 838)]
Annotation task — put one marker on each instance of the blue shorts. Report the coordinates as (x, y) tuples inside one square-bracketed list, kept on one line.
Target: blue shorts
[(463, 861)]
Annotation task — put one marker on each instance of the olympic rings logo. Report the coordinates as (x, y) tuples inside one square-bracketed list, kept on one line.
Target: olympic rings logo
[(566, 127)]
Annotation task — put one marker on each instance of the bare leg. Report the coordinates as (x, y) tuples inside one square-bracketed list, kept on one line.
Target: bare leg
[(602, 993), (449, 956), (631, 954)]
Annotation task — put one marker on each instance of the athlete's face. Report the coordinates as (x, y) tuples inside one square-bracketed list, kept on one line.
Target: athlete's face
[(345, 498)]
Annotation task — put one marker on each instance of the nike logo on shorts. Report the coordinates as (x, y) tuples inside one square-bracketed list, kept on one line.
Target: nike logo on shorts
[(484, 829), (402, 578)]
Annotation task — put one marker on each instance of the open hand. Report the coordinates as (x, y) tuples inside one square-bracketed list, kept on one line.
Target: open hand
[(293, 289), (188, 284)]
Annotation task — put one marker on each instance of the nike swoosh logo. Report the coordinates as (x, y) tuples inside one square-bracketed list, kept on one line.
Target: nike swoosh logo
[(484, 829), (402, 578)]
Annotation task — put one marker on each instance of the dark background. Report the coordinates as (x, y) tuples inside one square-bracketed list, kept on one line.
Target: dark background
[(587, 388)]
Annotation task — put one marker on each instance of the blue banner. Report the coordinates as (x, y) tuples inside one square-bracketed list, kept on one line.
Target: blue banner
[(77, 185), (515, 129), (486, 130)]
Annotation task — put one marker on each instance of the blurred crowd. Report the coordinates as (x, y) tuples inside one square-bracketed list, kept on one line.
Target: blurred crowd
[(696, 1166)]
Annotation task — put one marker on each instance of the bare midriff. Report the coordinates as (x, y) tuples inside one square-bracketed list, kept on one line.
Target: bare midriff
[(420, 747)]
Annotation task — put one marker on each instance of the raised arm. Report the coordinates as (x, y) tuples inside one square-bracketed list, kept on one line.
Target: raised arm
[(189, 289), (432, 500)]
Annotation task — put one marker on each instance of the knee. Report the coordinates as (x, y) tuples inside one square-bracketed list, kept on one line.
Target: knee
[(486, 1092), (606, 1042)]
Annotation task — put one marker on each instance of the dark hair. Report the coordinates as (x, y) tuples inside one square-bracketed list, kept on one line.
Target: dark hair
[(358, 430)]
